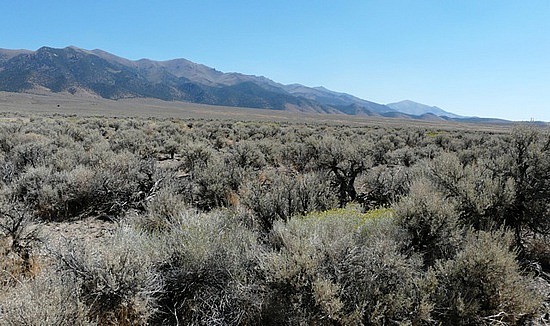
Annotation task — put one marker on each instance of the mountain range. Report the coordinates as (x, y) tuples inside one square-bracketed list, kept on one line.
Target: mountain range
[(98, 73)]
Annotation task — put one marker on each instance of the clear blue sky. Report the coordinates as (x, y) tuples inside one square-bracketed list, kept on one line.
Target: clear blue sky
[(472, 57)]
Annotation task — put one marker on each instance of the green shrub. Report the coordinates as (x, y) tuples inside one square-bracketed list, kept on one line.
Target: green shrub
[(161, 209), (31, 150), (246, 155), (212, 185), (299, 155), (345, 160), (381, 281), (481, 196), (508, 187), (266, 245)]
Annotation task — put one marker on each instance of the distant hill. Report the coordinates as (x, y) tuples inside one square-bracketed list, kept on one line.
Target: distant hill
[(418, 109), (81, 72)]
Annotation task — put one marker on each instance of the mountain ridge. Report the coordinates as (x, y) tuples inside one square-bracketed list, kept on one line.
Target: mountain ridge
[(414, 108), (99, 73)]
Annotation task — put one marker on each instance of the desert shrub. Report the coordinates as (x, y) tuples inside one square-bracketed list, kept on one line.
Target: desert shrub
[(171, 147), (49, 299), (383, 185), (116, 280), (18, 226), (196, 155), (280, 195), (134, 140), (299, 155), (481, 196), (430, 151), (272, 151), (341, 267), (114, 185), (403, 156), (313, 192), (380, 150), (431, 221), (19, 238), (209, 268), (212, 185), (161, 209), (483, 284), (538, 249), (381, 280), (66, 194), (345, 160), (247, 155), (299, 291), (8, 171), (527, 168), (507, 188), (277, 253), (124, 180), (31, 150)]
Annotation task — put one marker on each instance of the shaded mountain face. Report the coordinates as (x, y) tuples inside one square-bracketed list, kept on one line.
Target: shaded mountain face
[(100, 73)]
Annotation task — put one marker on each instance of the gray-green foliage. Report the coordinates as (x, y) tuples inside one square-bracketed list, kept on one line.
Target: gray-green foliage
[(508, 187), (383, 185), (342, 268), (116, 280), (233, 223), (113, 185), (345, 159), (49, 299), (208, 263), (483, 284), (278, 195), (431, 221)]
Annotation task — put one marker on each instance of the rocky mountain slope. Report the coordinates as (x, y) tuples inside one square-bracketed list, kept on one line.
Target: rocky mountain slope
[(83, 72)]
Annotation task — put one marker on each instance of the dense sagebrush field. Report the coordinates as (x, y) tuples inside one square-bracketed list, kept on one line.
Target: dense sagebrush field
[(272, 223)]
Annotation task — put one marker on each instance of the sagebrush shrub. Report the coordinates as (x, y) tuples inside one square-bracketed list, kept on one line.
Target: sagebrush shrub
[(20, 237), (345, 161), (430, 220), (508, 186), (109, 188), (49, 299), (341, 267), (239, 226), (483, 284), (116, 280), (278, 195), (209, 269), (382, 185), (161, 209)]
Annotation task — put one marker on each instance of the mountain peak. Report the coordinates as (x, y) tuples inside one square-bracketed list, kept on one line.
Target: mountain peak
[(100, 73), (419, 109)]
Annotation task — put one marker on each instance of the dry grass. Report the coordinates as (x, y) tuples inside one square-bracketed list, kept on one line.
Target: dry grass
[(146, 108)]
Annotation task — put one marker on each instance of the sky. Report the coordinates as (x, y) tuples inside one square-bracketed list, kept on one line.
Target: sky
[(483, 58)]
